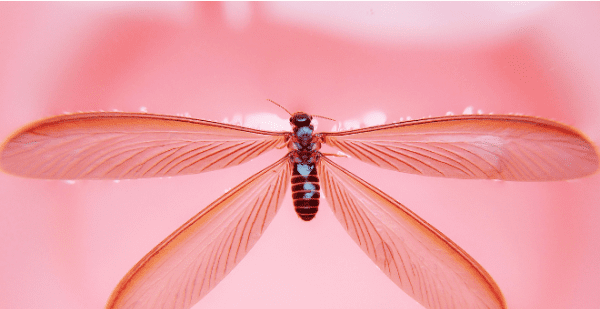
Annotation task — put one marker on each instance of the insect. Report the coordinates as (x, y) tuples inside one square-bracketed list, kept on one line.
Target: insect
[(185, 266)]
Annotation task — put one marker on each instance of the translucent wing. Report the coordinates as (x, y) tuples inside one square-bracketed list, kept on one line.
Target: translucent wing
[(125, 145), (474, 146), (190, 262), (418, 258)]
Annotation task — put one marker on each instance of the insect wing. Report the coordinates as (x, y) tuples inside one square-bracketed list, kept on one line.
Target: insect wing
[(125, 145), (418, 258), (190, 262), (474, 146)]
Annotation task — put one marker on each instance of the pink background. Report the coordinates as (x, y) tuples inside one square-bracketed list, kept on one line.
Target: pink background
[(67, 245)]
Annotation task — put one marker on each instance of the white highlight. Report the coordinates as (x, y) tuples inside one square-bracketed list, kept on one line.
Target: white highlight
[(70, 182), (351, 124), (336, 127), (449, 114), (341, 153), (314, 122), (374, 118), (143, 109), (267, 121), (186, 114), (468, 110), (236, 120)]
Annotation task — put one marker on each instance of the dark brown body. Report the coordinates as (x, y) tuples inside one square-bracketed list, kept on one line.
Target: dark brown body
[(304, 156)]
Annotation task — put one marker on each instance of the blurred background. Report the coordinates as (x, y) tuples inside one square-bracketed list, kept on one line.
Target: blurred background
[(67, 245)]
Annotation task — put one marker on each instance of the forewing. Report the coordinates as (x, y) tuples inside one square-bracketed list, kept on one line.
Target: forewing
[(190, 262), (124, 145), (474, 146), (418, 258)]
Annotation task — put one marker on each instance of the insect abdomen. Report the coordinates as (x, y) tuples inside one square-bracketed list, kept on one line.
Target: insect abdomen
[(305, 190)]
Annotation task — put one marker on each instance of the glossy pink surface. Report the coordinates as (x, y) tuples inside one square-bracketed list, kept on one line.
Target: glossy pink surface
[(68, 245)]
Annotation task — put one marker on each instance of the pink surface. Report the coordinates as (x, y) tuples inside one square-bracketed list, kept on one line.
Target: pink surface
[(67, 245)]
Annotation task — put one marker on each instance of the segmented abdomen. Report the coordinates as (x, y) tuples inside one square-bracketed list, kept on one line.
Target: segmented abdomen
[(305, 190)]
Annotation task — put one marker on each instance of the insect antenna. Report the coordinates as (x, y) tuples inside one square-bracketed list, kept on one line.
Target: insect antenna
[(279, 106), (317, 116)]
